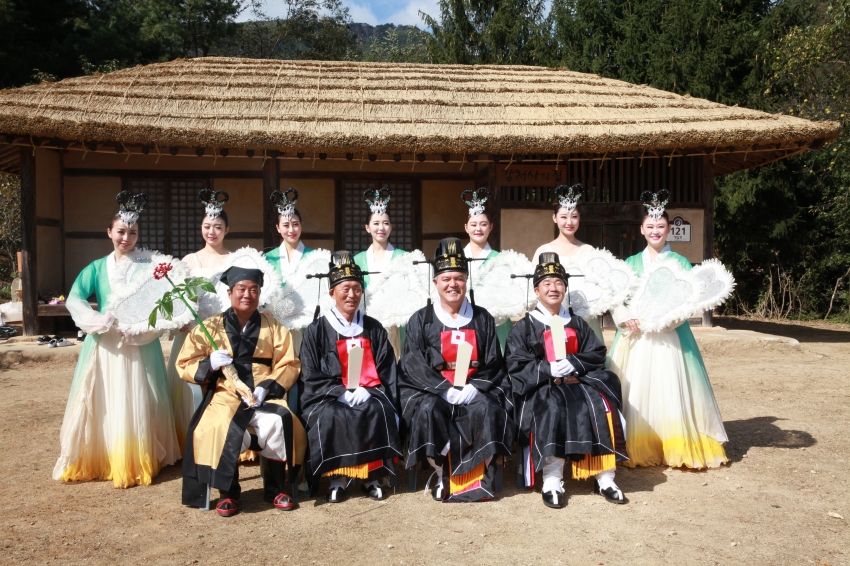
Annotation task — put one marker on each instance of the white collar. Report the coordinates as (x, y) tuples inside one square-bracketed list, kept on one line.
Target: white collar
[(544, 316), (370, 256), (467, 251), (645, 255), (342, 326), (464, 317), (296, 255)]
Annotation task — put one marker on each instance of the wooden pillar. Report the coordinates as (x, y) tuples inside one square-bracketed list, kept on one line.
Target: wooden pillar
[(271, 183), (708, 220), (29, 248), (494, 205)]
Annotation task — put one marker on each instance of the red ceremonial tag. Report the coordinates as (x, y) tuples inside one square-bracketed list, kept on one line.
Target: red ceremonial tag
[(449, 339), (572, 343), (368, 373)]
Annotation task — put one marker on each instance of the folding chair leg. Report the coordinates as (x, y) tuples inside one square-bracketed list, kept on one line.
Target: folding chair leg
[(394, 477), (292, 472), (206, 505), (520, 469), (411, 479), (498, 478)]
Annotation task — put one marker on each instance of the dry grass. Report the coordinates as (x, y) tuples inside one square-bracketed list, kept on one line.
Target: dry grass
[(386, 108)]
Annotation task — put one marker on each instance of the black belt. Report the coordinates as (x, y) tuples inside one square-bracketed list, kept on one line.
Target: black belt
[(249, 360)]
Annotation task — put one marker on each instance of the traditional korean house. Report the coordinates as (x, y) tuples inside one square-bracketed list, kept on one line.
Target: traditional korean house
[(333, 129)]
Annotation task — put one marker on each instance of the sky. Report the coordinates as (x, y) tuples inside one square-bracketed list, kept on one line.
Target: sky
[(399, 12)]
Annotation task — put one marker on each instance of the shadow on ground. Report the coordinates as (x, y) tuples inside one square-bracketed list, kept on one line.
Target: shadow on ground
[(799, 332), (762, 432)]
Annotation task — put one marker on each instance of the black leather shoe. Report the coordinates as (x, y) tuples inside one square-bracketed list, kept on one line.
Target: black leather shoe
[(554, 499), (336, 495), (375, 492), (610, 494), (437, 492)]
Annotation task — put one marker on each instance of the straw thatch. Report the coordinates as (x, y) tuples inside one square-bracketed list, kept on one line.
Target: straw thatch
[(385, 108)]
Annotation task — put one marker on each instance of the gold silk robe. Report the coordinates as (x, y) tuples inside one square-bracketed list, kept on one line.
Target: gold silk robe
[(263, 355)]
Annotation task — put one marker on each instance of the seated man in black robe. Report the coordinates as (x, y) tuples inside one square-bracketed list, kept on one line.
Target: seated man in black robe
[(458, 421), (352, 422), (568, 403)]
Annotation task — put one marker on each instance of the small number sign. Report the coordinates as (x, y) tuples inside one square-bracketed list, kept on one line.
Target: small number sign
[(680, 230)]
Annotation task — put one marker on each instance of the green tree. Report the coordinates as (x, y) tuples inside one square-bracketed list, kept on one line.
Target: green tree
[(190, 28), (399, 45), (488, 32), (309, 29), (786, 226), (10, 226), (38, 36)]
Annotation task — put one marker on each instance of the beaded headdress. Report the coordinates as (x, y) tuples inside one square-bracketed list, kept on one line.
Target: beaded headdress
[(568, 196), (130, 206), (655, 202), (476, 200), (213, 201), (285, 203), (378, 199)]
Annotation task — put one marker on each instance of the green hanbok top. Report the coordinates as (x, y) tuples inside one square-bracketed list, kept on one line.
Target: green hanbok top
[(283, 265), (365, 260)]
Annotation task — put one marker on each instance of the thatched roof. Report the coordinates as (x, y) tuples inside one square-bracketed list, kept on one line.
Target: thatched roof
[(388, 108)]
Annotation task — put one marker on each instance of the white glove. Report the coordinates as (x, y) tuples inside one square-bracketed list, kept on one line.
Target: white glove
[(345, 398), (219, 359), (466, 394), (451, 395), (561, 368), (260, 394), (359, 395)]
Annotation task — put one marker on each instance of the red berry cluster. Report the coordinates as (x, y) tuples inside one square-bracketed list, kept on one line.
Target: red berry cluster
[(161, 270)]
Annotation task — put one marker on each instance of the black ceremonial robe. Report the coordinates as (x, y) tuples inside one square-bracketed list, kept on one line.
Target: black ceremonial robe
[(263, 354), (567, 421), (342, 437), (477, 431)]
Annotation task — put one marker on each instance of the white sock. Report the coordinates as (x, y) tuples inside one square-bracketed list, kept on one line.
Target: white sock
[(606, 479), (339, 481), (553, 474), (373, 483)]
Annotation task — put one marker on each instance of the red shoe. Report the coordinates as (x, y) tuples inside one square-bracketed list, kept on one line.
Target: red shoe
[(227, 507), (284, 502)]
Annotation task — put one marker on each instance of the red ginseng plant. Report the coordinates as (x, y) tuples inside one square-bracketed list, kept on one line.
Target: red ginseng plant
[(189, 289)]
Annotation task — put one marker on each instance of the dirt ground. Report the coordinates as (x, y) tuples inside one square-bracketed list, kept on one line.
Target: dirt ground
[(780, 500)]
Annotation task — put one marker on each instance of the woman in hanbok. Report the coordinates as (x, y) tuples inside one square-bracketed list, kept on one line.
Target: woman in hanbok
[(672, 417), (567, 245), (118, 422), (478, 227), (286, 257), (377, 257), (202, 263)]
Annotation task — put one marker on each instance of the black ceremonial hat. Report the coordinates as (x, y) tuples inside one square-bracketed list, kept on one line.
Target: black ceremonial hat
[(235, 274), (549, 265), (343, 268), (449, 256)]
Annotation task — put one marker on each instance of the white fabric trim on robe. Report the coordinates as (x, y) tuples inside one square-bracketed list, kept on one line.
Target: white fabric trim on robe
[(464, 317), (342, 326), (287, 264), (475, 266), (373, 264), (644, 255), (544, 316)]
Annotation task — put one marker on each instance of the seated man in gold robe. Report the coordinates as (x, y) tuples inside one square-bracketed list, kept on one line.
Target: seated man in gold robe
[(259, 350)]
